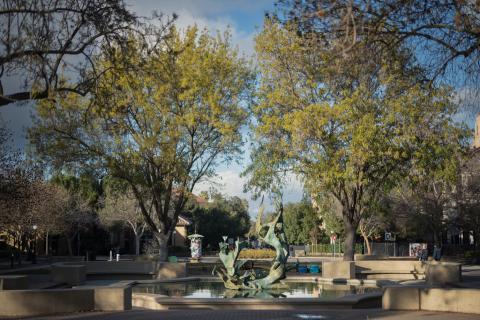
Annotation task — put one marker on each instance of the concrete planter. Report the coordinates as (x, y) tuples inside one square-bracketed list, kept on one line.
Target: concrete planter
[(72, 275), (115, 298), (338, 269), (443, 273)]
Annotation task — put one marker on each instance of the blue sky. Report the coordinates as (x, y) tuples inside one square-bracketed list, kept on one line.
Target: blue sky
[(244, 19)]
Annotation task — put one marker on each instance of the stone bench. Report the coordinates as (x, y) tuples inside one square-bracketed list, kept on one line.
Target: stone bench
[(19, 282), (70, 274)]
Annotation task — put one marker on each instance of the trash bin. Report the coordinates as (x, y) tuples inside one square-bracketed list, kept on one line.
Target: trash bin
[(302, 269), (314, 268)]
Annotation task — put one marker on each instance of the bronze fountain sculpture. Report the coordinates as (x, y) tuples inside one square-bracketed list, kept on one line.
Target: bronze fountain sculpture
[(271, 233)]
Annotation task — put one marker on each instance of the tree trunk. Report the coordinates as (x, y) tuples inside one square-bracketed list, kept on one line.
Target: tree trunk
[(367, 242), (349, 254), (69, 246), (137, 244), (162, 241)]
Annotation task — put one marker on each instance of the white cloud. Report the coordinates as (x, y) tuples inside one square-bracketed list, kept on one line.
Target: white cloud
[(243, 40), (208, 14)]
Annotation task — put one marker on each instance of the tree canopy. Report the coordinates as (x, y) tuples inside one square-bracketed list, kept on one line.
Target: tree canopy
[(347, 128), (302, 223), (163, 116), (48, 47)]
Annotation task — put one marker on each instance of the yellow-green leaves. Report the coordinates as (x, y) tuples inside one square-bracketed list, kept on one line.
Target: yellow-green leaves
[(350, 127), (162, 117)]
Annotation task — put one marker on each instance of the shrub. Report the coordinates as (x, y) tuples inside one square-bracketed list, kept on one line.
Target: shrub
[(257, 254), (326, 248)]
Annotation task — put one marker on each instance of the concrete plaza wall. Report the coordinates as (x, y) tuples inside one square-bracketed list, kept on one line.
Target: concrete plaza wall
[(401, 298), (171, 270), (431, 299), (436, 273), (72, 275), (362, 257), (157, 270), (22, 303), (13, 282)]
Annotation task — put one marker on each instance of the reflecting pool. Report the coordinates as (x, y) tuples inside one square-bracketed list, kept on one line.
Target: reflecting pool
[(216, 289)]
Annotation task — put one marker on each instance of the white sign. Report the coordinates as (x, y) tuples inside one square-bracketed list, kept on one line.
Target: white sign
[(389, 236), (415, 249)]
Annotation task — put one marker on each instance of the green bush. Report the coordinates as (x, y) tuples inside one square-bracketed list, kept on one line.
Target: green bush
[(257, 254), (469, 254), (327, 248)]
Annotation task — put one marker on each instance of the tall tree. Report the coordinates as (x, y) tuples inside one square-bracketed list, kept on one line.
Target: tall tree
[(120, 205), (222, 216), (69, 213), (302, 223), (162, 118), (347, 129)]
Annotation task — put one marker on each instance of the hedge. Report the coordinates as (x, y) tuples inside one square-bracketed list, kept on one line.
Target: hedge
[(328, 248), (256, 254)]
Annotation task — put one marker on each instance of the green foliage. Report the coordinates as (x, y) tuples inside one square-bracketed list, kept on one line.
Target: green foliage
[(85, 184), (220, 217), (327, 248), (302, 223), (350, 129)]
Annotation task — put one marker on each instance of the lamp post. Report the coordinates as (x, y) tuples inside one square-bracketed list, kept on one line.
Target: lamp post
[(34, 251)]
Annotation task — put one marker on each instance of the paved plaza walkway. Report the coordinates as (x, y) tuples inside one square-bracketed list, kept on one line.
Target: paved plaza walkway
[(358, 314)]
